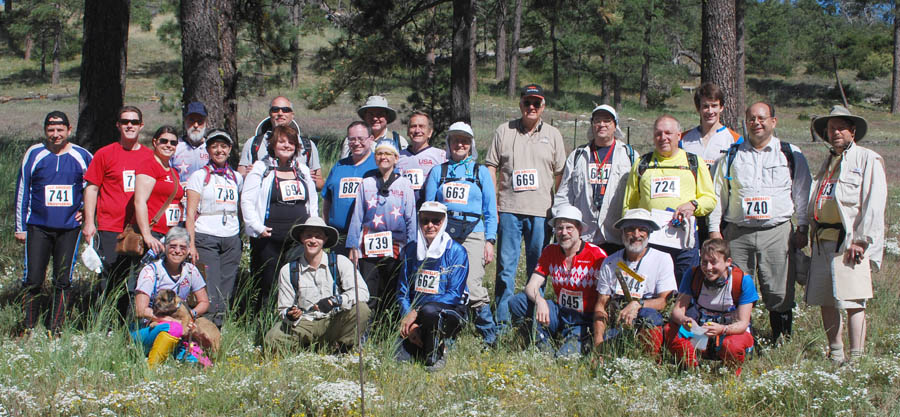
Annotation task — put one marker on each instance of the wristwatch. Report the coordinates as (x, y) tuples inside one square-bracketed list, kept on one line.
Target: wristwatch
[(492, 241), (695, 203)]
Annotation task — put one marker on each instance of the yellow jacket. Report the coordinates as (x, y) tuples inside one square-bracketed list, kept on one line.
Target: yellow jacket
[(668, 182)]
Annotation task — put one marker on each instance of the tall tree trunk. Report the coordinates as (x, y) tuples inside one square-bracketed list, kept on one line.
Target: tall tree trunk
[(57, 39), (740, 86), (645, 66), (296, 18), (43, 54), (617, 92), (717, 62), (207, 54), (514, 53), (103, 64), (895, 79), (500, 48), (463, 11), (837, 80), (554, 44), (473, 58), (29, 46)]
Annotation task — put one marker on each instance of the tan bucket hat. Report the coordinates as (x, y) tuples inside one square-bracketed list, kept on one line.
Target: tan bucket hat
[(819, 124), (331, 234)]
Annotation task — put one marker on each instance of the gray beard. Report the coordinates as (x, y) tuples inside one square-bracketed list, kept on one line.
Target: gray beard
[(196, 136), (637, 248)]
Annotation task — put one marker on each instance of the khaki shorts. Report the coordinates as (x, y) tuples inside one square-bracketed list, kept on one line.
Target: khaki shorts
[(820, 287)]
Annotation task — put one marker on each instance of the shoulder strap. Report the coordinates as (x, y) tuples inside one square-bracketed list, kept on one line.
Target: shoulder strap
[(645, 163), (254, 148), (737, 280), (630, 152), (307, 147), (693, 164), (477, 175), (444, 167), (168, 201), (396, 139), (696, 282), (789, 154), (208, 174), (332, 266), (295, 277)]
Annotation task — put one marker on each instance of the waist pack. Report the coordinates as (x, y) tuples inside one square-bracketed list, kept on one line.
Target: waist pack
[(460, 228)]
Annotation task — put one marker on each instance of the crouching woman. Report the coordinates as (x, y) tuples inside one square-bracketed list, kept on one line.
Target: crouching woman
[(715, 302)]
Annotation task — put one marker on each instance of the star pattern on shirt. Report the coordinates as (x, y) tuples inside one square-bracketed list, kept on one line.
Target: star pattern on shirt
[(396, 212), (377, 220), (183, 167), (372, 202)]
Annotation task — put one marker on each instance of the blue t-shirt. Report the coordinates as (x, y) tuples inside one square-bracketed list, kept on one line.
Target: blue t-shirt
[(748, 288), (49, 188), (341, 187)]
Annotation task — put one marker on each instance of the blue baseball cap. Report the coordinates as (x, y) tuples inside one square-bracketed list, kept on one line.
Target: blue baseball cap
[(195, 107)]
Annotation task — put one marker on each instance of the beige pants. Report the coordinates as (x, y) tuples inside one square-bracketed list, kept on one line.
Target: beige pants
[(474, 244), (763, 253), (820, 288), (340, 328)]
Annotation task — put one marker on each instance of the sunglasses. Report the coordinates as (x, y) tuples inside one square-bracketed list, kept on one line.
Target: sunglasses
[(426, 220), (133, 122), (165, 141), (276, 109), (531, 103)]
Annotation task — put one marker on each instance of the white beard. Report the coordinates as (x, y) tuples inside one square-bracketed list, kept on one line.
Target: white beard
[(196, 135), (637, 247)]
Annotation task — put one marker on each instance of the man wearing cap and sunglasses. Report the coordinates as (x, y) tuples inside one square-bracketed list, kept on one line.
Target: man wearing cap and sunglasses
[(190, 154), (110, 186), (526, 160), (48, 215), (319, 293), (378, 114), (573, 266), (595, 177), (281, 112)]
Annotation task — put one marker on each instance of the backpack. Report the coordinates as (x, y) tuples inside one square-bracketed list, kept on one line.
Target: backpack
[(731, 153), (644, 165), (446, 166), (460, 228), (737, 277), (209, 174), (583, 149), (332, 267), (258, 140)]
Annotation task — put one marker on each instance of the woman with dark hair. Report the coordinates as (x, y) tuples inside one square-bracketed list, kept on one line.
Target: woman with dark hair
[(278, 193), (157, 191)]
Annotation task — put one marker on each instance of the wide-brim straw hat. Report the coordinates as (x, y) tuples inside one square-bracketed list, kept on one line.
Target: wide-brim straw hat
[(821, 123), (637, 216), (331, 234), (377, 102)]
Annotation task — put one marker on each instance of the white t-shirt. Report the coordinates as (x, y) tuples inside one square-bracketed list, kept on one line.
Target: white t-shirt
[(154, 278), (219, 202), (655, 267), (719, 141)]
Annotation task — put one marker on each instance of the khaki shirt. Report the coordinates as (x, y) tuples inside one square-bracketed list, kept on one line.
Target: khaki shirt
[(315, 284), (526, 164)]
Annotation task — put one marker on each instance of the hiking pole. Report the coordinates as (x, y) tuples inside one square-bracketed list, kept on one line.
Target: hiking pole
[(362, 390)]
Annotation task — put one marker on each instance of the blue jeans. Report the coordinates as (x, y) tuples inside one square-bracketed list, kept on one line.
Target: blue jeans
[(566, 323), (514, 228)]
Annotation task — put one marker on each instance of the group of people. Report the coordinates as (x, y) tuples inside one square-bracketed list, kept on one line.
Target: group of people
[(405, 229)]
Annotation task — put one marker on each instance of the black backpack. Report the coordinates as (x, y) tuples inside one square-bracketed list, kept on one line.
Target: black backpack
[(332, 266)]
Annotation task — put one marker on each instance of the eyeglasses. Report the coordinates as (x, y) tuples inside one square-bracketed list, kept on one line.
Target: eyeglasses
[(133, 122), (276, 109), (357, 139), (180, 248), (757, 119), (531, 103), (426, 220), (165, 141)]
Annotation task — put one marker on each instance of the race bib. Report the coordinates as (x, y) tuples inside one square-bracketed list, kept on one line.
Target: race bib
[(665, 187), (291, 190), (571, 299), (599, 175), (428, 282), (415, 176), (828, 189), (525, 180), (226, 194), (635, 288), (58, 196), (456, 192), (128, 181), (757, 208), (348, 187), (173, 215), (378, 244)]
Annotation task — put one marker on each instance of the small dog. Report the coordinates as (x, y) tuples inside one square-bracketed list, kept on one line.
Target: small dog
[(204, 332)]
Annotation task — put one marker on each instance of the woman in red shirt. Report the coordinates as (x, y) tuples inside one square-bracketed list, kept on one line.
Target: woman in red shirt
[(155, 182)]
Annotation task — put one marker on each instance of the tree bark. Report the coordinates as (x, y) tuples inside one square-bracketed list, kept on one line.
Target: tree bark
[(29, 46), (296, 18), (460, 66), (895, 79), (208, 62), (500, 48), (57, 39), (514, 53), (740, 86), (645, 66), (554, 42), (473, 58), (717, 62), (103, 65)]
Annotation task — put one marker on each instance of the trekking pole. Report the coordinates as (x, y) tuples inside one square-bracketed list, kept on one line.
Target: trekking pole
[(362, 390)]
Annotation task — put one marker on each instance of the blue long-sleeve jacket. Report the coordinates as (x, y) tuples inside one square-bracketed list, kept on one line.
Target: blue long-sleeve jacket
[(49, 187), (460, 185), (441, 280)]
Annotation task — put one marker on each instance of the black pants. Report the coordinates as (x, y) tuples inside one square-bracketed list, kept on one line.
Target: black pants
[(118, 270), (266, 259), (380, 275), (437, 322), (43, 242)]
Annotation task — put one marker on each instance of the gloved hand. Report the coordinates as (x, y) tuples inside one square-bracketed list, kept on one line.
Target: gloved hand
[(325, 305)]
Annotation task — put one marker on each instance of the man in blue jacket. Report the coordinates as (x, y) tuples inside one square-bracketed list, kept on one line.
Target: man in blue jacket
[(431, 290)]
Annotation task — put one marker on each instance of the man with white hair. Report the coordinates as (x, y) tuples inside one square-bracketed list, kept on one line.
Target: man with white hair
[(634, 284), (431, 290), (594, 179), (572, 265), (190, 154)]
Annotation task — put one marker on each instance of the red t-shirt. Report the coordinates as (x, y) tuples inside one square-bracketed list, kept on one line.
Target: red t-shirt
[(113, 170), (166, 181), (575, 287)]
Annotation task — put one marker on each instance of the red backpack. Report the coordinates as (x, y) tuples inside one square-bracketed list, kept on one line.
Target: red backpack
[(737, 277)]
